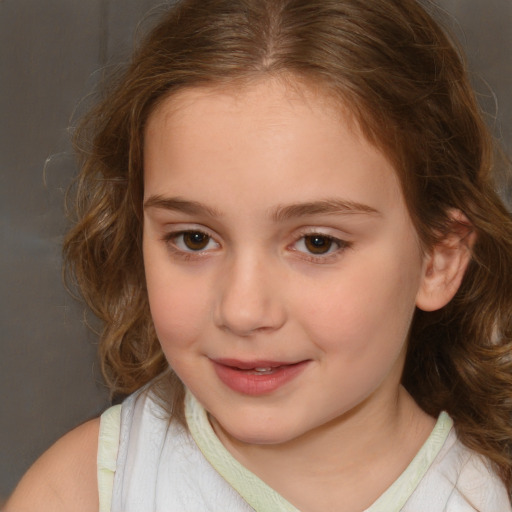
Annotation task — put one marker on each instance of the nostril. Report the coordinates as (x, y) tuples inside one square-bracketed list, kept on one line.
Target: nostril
[(246, 317), (247, 301)]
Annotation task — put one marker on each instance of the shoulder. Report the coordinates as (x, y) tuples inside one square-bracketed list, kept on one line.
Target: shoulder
[(476, 485), (64, 478), (456, 478), (479, 485)]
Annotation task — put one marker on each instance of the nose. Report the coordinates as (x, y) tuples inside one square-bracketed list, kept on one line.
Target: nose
[(250, 297)]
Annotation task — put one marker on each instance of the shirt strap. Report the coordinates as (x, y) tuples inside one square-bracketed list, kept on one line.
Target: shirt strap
[(108, 445)]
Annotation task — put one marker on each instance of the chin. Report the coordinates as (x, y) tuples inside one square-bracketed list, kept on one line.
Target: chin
[(265, 434)]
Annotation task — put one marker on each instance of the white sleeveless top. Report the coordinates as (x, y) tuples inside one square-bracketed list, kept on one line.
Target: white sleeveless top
[(148, 464)]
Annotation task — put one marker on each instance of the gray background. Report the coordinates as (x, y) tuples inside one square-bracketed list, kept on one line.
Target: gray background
[(52, 52)]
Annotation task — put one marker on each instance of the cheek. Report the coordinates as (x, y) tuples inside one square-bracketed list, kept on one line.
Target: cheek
[(367, 311), (178, 308)]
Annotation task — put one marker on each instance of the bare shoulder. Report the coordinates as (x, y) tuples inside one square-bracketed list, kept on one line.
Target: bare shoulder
[(64, 477)]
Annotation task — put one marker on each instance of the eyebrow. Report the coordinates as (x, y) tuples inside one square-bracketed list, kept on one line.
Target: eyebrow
[(279, 213), (324, 207), (180, 205)]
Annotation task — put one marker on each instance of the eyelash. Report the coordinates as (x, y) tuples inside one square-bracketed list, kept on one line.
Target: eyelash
[(171, 240), (327, 257)]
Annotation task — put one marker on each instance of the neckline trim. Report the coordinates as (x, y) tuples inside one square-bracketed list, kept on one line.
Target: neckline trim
[(262, 498)]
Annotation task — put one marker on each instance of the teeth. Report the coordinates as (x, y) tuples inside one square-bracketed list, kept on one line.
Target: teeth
[(263, 370)]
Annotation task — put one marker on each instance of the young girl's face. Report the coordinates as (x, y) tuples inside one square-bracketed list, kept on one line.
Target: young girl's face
[(282, 266)]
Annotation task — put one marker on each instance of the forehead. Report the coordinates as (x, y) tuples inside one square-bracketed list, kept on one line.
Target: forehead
[(280, 135), (280, 95)]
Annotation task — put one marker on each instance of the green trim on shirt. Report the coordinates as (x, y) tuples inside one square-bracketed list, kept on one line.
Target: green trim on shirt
[(252, 489), (108, 445), (263, 498)]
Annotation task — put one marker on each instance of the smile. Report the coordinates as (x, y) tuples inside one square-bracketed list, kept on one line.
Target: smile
[(257, 377), (263, 370)]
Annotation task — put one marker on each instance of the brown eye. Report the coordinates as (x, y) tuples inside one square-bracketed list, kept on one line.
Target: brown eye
[(195, 240), (318, 244)]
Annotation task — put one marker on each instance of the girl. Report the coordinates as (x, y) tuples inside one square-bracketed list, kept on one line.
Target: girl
[(287, 222)]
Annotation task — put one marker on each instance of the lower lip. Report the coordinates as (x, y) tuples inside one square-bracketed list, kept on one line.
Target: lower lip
[(254, 384)]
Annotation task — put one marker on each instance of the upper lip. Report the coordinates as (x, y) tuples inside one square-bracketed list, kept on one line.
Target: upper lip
[(249, 365)]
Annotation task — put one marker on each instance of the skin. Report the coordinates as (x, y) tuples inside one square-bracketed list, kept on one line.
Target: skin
[(253, 176), (229, 168), (64, 478)]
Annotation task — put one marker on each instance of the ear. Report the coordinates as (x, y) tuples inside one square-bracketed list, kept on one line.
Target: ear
[(445, 264)]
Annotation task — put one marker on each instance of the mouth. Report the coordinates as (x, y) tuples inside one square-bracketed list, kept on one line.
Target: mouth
[(259, 366), (257, 377)]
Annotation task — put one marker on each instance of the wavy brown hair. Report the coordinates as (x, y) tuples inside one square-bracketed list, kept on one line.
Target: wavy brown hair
[(407, 87)]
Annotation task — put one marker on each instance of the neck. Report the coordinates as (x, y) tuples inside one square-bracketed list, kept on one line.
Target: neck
[(349, 461)]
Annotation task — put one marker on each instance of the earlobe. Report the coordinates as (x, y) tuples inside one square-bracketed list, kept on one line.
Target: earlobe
[(445, 265)]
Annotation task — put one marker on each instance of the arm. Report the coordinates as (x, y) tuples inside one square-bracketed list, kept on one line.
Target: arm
[(63, 478)]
